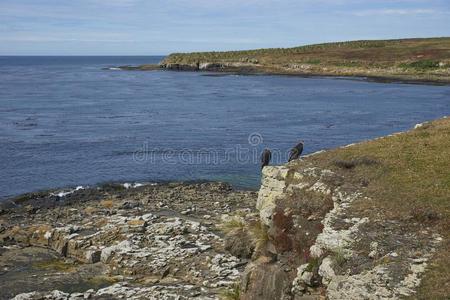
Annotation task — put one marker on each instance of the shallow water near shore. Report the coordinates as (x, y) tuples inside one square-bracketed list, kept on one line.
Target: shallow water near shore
[(66, 121)]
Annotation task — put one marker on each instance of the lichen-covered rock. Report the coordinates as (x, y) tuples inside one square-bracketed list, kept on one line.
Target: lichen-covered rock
[(326, 270), (302, 281), (123, 290), (272, 188)]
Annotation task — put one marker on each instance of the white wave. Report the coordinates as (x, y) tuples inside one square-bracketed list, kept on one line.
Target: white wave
[(136, 184), (65, 193)]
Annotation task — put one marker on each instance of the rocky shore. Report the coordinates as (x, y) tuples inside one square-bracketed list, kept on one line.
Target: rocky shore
[(148, 242), (391, 75), (355, 222)]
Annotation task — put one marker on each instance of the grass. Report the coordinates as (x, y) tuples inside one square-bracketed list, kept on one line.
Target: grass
[(411, 59), (55, 265), (233, 293), (90, 210), (339, 257), (258, 231), (410, 183), (108, 204), (362, 51), (422, 64), (136, 222), (411, 169), (259, 234), (103, 280), (313, 265), (313, 61), (354, 162), (232, 224)]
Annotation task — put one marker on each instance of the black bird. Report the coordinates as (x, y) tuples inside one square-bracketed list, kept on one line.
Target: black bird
[(296, 151), (266, 156)]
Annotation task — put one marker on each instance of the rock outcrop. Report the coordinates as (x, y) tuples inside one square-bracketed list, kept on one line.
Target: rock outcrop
[(241, 67), (319, 247)]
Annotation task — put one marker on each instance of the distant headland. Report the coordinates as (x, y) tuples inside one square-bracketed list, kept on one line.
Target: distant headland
[(425, 60)]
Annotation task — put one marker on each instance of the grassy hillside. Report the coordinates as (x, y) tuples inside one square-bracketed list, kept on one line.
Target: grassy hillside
[(409, 59), (407, 178)]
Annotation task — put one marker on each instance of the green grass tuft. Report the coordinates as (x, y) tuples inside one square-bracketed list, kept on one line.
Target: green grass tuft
[(259, 234), (339, 257), (233, 293), (55, 265), (232, 224), (421, 65), (313, 265)]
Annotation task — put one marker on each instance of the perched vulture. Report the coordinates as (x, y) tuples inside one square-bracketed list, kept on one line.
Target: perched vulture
[(296, 151), (265, 158)]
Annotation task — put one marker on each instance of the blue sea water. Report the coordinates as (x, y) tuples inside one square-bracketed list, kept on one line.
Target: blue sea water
[(66, 121)]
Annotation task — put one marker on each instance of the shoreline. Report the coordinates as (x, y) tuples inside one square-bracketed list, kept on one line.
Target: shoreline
[(258, 72), (59, 193)]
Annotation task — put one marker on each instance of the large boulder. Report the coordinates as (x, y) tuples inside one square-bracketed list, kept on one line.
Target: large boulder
[(239, 243), (265, 280)]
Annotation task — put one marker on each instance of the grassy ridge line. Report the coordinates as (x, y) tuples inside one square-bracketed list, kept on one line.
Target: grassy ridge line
[(360, 44), (410, 59)]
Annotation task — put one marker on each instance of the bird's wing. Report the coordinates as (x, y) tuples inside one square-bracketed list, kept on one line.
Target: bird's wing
[(300, 149), (292, 154)]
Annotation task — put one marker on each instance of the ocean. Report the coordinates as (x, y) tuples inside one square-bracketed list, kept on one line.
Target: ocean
[(70, 121)]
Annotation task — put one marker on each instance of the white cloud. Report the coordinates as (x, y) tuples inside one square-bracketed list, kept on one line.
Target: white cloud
[(372, 12), (117, 2)]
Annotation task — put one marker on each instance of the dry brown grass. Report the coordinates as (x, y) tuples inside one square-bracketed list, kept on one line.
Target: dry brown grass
[(101, 280), (101, 222), (259, 234), (90, 210), (354, 162), (107, 203), (411, 183), (136, 222), (233, 224)]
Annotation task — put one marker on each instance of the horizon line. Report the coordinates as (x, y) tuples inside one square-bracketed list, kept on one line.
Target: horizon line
[(218, 50)]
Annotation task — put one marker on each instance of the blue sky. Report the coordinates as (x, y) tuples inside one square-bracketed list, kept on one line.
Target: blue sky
[(152, 27)]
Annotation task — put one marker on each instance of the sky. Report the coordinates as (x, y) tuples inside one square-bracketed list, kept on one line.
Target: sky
[(160, 27)]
